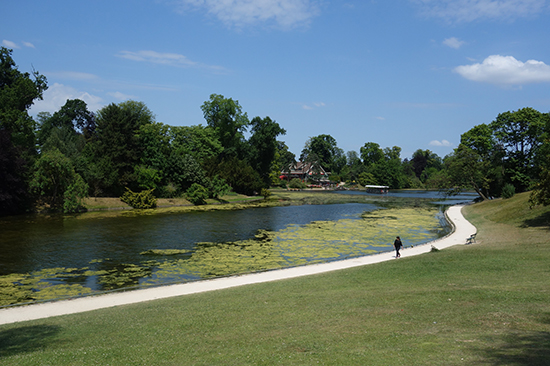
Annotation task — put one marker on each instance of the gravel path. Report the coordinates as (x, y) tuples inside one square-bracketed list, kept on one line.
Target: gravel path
[(462, 230)]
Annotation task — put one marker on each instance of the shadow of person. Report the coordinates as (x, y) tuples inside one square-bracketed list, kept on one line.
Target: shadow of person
[(25, 339)]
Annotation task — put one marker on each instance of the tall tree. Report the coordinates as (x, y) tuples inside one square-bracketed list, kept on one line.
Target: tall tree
[(320, 149), (115, 148), (18, 91), (263, 146), (519, 133), (482, 142), (226, 117)]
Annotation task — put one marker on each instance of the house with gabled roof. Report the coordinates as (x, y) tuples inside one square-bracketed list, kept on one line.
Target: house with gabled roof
[(305, 171)]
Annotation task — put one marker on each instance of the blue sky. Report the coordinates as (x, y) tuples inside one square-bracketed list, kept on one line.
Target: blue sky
[(410, 73)]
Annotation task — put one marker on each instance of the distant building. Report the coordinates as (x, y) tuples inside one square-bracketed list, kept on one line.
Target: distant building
[(314, 174)]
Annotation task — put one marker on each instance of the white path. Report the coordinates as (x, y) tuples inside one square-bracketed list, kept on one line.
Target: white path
[(462, 230)]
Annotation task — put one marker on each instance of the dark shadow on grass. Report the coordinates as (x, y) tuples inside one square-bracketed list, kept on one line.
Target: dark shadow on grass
[(26, 339), (542, 221), (531, 349)]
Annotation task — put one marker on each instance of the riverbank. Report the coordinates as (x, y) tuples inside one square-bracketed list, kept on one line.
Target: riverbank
[(486, 303), (462, 229)]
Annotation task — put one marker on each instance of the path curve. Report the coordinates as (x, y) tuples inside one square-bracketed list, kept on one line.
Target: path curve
[(462, 230)]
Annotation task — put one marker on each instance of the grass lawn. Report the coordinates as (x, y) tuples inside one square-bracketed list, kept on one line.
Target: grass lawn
[(486, 303)]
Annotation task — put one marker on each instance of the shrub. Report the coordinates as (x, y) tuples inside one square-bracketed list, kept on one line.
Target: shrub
[(197, 194), (296, 183), (139, 200), (508, 191), (265, 193)]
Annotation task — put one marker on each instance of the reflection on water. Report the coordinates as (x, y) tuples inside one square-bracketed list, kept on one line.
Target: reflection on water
[(85, 253), (32, 243), (439, 197)]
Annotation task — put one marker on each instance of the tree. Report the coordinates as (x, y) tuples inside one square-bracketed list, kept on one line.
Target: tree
[(320, 149), (201, 142), (263, 146), (225, 116), (541, 191), (13, 187), (371, 154), (481, 140), (53, 173), (74, 116), (466, 170), (285, 159), (519, 133), (18, 91), (67, 130), (115, 147)]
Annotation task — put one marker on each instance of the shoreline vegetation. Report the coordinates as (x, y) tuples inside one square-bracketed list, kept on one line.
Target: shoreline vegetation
[(485, 303), (278, 197)]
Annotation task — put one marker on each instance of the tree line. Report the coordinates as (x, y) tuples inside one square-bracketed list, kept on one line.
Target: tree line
[(120, 150)]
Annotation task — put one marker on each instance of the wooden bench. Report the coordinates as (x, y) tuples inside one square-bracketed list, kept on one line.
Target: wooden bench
[(471, 239)]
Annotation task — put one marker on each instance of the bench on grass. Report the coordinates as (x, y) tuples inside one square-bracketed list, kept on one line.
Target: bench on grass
[(471, 239)]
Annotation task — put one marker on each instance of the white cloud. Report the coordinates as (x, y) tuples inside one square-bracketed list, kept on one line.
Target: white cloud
[(122, 96), (313, 105), (9, 44), (453, 42), (28, 44), (170, 59), (284, 13), (444, 143), (506, 70), (458, 11), (56, 96)]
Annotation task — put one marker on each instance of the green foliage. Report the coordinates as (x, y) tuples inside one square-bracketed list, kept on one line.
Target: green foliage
[(197, 194), (115, 147), (265, 193), (296, 183), (508, 191), (541, 192), (322, 150), (218, 187), (74, 195), (14, 195), (18, 91), (53, 173), (139, 200), (263, 146), (365, 178), (147, 178), (225, 116)]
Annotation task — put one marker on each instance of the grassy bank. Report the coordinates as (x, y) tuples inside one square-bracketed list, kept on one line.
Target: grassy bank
[(487, 303)]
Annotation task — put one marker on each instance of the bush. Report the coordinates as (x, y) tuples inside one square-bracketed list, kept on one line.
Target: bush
[(74, 195), (139, 200), (197, 194), (296, 183), (265, 193), (508, 191)]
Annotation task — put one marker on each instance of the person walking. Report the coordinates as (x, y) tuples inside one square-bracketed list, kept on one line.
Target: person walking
[(397, 244)]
